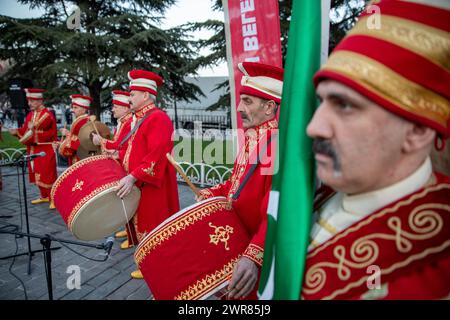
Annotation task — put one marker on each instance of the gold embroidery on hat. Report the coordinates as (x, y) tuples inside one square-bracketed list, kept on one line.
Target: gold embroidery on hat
[(431, 43), (388, 84)]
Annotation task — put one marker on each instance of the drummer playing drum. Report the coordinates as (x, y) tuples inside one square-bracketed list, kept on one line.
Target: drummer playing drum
[(69, 144), (260, 97), (122, 112), (145, 157)]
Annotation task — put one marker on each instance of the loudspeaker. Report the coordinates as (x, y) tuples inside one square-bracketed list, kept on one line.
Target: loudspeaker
[(17, 97)]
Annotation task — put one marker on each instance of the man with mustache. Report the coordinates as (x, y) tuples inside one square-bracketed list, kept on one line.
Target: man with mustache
[(145, 157), (382, 222), (260, 97), (122, 112)]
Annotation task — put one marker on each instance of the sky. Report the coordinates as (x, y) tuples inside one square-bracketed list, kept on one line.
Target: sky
[(182, 12)]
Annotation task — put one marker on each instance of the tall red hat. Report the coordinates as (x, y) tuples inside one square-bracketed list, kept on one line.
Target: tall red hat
[(143, 80), (402, 64), (261, 80), (81, 101), (34, 94), (121, 98)]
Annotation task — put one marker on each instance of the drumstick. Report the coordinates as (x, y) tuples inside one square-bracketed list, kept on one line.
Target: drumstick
[(44, 143), (185, 178), (92, 119)]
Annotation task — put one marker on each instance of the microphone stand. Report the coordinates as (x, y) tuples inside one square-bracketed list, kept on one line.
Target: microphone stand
[(46, 241), (23, 162)]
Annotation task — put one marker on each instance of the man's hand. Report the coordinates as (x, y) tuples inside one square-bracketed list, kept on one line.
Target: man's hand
[(199, 198), (13, 132), (243, 281), (30, 125), (125, 185), (55, 145), (64, 131), (113, 154), (96, 139)]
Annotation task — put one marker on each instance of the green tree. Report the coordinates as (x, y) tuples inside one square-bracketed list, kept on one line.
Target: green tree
[(113, 37)]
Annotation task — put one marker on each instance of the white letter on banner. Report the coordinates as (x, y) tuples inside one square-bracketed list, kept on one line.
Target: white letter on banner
[(247, 5), (251, 44), (249, 30)]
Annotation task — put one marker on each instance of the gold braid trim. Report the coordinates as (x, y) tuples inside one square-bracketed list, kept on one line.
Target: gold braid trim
[(431, 43), (423, 221), (73, 168), (175, 226), (206, 193), (391, 86), (380, 214), (254, 253), (210, 281)]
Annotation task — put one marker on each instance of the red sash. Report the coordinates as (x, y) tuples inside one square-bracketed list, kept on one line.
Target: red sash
[(406, 234)]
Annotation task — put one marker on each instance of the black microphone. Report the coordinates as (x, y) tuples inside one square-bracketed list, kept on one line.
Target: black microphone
[(108, 245), (35, 155)]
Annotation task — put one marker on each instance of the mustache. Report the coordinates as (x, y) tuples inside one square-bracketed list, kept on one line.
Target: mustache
[(325, 147), (244, 116)]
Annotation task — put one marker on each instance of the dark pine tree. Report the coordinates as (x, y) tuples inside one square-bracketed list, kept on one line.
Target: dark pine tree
[(113, 37)]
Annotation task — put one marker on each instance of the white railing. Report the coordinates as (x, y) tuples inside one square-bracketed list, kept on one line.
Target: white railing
[(204, 174), (8, 155)]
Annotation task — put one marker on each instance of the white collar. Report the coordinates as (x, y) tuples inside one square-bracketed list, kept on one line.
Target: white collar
[(366, 203)]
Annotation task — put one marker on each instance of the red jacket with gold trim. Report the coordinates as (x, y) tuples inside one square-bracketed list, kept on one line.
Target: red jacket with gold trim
[(42, 170), (145, 159), (251, 205), (401, 251), (119, 133), (70, 144)]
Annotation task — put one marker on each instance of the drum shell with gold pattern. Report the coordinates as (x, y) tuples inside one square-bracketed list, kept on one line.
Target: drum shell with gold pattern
[(192, 254), (85, 196)]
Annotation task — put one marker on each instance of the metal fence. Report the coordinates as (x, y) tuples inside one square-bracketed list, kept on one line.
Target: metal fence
[(8, 155), (204, 175)]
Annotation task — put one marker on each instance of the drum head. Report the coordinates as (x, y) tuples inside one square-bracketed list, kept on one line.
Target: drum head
[(104, 214)]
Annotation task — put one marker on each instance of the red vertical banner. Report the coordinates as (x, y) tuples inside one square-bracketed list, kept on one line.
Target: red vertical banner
[(252, 29)]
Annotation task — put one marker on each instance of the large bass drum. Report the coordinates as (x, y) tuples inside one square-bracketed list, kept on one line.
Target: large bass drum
[(85, 196), (192, 254)]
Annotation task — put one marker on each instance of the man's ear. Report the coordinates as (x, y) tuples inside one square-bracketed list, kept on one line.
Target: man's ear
[(418, 137), (271, 107)]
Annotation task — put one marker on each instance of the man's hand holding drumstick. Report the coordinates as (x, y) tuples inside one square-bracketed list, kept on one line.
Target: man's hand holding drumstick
[(125, 185)]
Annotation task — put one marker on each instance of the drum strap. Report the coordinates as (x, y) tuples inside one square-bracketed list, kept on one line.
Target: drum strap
[(252, 169), (135, 129)]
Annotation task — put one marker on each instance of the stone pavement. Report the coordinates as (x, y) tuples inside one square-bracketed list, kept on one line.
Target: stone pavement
[(99, 280)]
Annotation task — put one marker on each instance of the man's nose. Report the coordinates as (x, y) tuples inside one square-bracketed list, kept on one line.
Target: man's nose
[(320, 126)]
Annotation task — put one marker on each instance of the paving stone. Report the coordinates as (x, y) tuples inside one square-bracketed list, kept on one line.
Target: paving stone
[(99, 280)]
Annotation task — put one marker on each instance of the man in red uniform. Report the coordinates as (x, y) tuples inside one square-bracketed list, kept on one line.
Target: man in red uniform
[(381, 229), (260, 97), (69, 145), (145, 158), (37, 133), (121, 111)]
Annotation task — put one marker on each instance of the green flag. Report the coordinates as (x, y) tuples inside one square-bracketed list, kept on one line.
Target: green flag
[(290, 204)]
